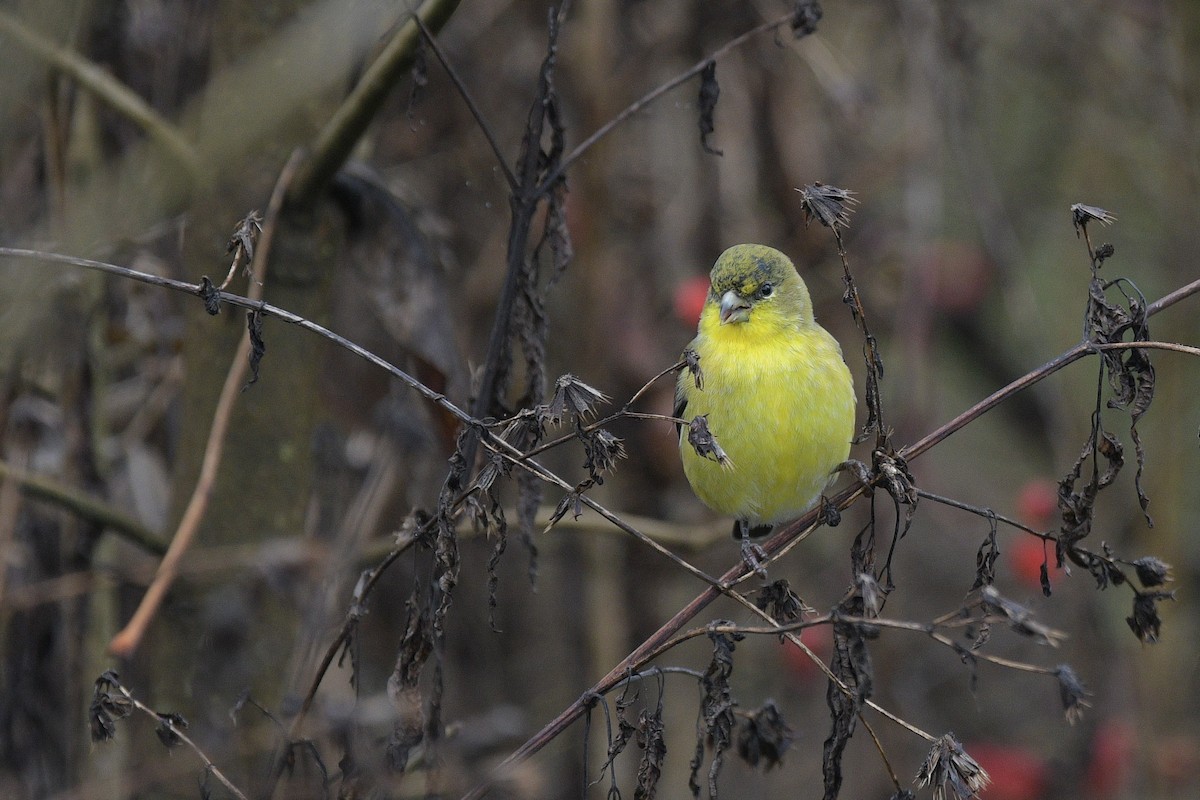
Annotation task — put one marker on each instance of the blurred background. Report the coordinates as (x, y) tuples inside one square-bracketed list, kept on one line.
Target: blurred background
[(966, 131)]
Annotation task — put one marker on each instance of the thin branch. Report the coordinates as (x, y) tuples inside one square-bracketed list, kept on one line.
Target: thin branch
[(107, 88), (126, 641), (1025, 381), (176, 731), (654, 94), (987, 513), (85, 506), (344, 129), (472, 106)]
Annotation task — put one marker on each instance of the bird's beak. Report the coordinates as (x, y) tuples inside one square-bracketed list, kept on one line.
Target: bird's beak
[(734, 308)]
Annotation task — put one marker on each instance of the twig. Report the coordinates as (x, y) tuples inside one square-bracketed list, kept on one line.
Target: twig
[(343, 130), (982, 512), (472, 106), (648, 98), (85, 506), (128, 638), (104, 86), (177, 732)]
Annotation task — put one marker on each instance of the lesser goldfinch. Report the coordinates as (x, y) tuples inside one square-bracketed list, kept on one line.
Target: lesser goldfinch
[(774, 390)]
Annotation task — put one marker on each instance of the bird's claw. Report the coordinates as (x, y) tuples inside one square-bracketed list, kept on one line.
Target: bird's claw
[(754, 557)]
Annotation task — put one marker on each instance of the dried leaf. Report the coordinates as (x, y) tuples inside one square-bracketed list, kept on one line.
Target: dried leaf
[(851, 665), (1018, 617), (1145, 622), (257, 346), (778, 600), (169, 725), (691, 361), (210, 295), (805, 16), (715, 726), (652, 740), (703, 442), (709, 92), (986, 556), (241, 244), (764, 737)]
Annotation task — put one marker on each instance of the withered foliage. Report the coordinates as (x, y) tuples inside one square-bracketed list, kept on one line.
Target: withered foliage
[(764, 736), (781, 602), (851, 686), (258, 348), (714, 727), (709, 92)]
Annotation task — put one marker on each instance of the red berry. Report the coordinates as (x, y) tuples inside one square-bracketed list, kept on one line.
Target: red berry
[(689, 299)]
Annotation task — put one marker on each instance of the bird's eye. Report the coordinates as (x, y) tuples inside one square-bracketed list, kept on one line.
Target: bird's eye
[(766, 290)]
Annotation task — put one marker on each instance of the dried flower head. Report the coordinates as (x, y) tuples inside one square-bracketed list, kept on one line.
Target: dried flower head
[(764, 736), (1072, 691), (951, 772), (1152, 571), (1082, 214), (829, 205), (572, 396)]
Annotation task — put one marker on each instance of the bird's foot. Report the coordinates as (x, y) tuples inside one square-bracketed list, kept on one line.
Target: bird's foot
[(754, 557), (860, 471)]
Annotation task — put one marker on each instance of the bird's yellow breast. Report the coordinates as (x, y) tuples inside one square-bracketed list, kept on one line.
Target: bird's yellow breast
[(780, 402)]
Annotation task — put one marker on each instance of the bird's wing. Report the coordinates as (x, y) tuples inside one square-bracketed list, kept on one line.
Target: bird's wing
[(680, 406)]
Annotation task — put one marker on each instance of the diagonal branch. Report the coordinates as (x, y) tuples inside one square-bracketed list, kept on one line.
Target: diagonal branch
[(343, 130), (128, 638), (107, 88), (648, 98), (472, 106)]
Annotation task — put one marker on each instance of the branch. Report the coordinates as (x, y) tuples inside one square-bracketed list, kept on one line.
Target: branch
[(85, 506), (128, 638), (654, 94), (165, 722), (107, 88), (347, 125)]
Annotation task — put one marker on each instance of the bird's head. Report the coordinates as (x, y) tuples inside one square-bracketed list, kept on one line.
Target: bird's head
[(756, 282)]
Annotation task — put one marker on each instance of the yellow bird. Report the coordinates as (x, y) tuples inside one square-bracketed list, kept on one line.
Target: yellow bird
[(775, 392)]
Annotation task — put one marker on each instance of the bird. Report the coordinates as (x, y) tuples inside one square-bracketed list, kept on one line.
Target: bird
[(766, 409)]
